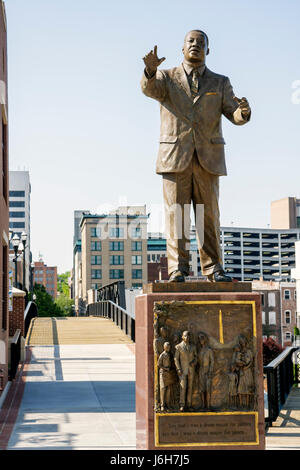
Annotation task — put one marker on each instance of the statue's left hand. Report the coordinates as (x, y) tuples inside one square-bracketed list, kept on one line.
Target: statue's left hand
[(244, 106)]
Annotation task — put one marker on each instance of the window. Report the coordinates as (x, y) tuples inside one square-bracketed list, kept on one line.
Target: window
[(137, 274), (137, 285), (96, 232), (116, 232), (16, 224), (96, 274), (96, 286), (136, 246), (116, 246), (136, 232), (287, 315), (96, 259), (262, 299), (96, 245), (295, 294), (287, 294), (16, 193), (16, 203), (136, 259), (272, 318), (288, 336), (271, 299), (148, 258), (116, 259), (116, 274), (19, 215), (263, 317)]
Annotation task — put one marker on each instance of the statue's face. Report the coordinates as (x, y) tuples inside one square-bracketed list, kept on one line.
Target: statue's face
[(195, 47), (186, 336), (202, 339)]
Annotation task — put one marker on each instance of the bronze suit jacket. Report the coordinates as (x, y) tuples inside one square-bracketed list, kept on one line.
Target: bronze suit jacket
[(184, 355), (189, 124)]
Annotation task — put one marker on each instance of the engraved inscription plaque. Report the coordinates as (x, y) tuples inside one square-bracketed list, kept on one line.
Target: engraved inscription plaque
[(206, 429)]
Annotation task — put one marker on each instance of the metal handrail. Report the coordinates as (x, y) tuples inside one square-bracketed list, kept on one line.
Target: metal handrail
[(281, 374), (121, 317), (15, 354), (30, 312)]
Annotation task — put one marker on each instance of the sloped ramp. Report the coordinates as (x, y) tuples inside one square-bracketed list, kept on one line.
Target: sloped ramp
[(74, 330)]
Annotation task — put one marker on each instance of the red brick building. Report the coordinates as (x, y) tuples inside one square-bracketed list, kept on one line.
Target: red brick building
[(288, 312), (4, 230), (46, 276)]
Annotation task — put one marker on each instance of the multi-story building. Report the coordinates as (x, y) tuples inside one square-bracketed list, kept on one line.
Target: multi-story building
[(77, 280), (19, 213), (114, 247), (45, 276), (247, 254), (288, 294), (4, 216), (250, 254), (279, 312), (270, 307), (76, 239), (285, 213)]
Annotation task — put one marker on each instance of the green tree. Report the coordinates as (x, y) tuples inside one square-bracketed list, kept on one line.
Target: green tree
[(62, 284), (65, 304), (45, 303)]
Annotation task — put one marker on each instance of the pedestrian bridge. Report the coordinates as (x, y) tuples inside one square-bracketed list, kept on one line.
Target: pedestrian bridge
[(76, 390)]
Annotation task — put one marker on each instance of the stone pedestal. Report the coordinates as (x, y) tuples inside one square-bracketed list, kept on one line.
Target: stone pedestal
[(204, 392)]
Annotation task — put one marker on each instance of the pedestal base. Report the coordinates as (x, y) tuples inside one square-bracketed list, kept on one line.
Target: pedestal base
[(206, 393)]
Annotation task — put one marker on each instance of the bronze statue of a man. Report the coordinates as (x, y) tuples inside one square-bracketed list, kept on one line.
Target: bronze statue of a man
[(191, 152)]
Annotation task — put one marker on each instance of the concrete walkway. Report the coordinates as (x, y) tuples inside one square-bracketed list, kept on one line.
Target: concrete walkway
[(72, 392), (285, 432)]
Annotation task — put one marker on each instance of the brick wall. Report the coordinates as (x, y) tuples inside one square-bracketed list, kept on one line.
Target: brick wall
[(16, 317)]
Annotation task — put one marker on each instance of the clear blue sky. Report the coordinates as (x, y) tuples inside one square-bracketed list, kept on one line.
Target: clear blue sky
[(80, 124)]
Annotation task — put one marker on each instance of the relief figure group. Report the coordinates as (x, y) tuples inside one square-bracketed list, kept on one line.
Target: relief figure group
[(189, 371)]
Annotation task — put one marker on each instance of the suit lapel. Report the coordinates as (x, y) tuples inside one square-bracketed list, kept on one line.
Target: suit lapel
[(183, 81), (205, 82)]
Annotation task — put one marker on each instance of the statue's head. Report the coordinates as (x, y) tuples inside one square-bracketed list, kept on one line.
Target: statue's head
[(195, 46), (167, 346), (186, 336)]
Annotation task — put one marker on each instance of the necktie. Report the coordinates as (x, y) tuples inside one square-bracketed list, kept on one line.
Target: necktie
[(194, 87)]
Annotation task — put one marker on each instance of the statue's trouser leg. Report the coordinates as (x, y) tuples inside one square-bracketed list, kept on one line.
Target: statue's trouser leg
[(183, 386), (195, 185), (190, 388), (206, 191)]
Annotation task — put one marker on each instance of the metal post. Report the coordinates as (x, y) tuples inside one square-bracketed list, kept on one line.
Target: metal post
[(16, 267)]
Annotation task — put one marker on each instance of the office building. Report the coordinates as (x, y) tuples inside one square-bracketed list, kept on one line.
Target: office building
[(285, 213), (4, 209), (247, 254), (19, 214), (114, 247)]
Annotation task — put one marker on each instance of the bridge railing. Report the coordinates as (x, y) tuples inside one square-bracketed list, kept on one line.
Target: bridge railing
[(282, 373), (30, 312), (15, 354), (108, 309)]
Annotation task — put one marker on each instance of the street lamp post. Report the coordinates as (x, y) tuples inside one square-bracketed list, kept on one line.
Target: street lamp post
[(15, 243), (31, 278), (24, 239)]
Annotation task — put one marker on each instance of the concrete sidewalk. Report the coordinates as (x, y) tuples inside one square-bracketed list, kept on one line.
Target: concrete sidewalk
[(77, 397)]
